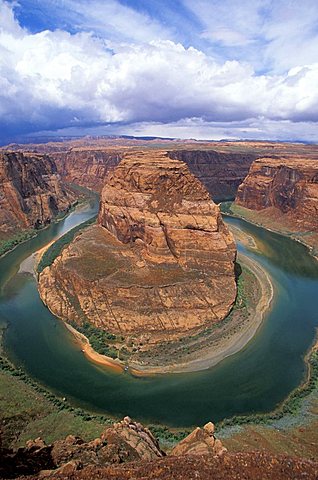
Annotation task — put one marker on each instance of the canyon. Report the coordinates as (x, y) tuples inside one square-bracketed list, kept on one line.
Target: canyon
[(158, 266), (32, 193), (87, 162)]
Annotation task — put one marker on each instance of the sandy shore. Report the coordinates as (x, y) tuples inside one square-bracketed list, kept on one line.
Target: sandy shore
[(29, 264), (92, 355)]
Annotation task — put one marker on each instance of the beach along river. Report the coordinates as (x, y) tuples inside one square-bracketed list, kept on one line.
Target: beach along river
[(255, 379)]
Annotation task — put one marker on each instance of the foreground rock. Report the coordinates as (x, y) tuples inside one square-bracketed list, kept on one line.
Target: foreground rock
[(31, 192), (201, 441), (128, 450), (125, 441), (160, 264)]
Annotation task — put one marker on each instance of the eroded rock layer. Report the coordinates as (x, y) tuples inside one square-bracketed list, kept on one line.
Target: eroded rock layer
[(159, 265), (87, 167), (284, 187), (220, 172), (31, 192)]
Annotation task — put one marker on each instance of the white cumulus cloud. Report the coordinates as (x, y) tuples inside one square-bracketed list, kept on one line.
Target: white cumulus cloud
[(55, 79)]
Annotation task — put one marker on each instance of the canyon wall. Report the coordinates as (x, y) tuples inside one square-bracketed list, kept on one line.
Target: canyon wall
[(86, 162), (31, 193), (87, 167), (160, 263), (220, 172), (284, 189)]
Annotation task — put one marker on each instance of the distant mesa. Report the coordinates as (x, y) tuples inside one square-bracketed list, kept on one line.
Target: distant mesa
[(158, 266)]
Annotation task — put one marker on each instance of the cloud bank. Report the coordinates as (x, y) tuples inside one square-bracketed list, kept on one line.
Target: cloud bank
[(136, 76)]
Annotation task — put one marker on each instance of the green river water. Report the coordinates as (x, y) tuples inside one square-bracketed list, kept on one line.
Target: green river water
[(254, 380)]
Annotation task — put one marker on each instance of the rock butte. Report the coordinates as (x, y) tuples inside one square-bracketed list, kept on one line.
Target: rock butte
[(31, 192), (284, 190), (160, 263)]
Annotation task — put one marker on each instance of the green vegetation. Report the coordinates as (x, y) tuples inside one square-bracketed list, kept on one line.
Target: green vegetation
[(10, 243), (99, 339), (29, 410), (56, 248), (166, 436), (226, 207)]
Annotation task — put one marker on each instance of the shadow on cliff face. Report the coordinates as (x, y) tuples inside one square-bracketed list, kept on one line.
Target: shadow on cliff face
[(237, 271), (221, 173)]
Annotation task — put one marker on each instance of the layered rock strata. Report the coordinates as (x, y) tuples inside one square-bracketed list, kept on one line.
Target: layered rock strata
[(31, 192), (220, 172), (158, 266), (284, 189), (87, 167)]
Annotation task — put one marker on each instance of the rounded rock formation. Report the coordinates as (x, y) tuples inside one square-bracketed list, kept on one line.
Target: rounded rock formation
[(160, 263)]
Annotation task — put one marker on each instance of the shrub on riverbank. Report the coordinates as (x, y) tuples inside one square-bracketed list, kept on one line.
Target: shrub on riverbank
[(99, 339), (56, 248), (10, 243)]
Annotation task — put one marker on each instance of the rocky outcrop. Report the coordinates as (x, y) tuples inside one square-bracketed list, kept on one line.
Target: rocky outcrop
[(201, 441), (125, 441), (128, 450), (220, 172), (160, 264), (87, 167), (31, 193), (283, 187)]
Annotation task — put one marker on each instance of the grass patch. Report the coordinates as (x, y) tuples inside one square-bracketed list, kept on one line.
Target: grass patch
[(56, 248), (10, 243), (29, 410)]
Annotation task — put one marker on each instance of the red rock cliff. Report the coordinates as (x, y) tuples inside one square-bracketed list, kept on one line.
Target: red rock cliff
[(221, 173), (287, 187), (31, 193), (87, 167)]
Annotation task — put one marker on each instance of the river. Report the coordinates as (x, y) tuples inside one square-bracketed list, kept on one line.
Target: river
[(254, 380)]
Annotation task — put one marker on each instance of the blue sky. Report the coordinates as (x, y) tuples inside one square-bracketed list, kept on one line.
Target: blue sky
[(187, 68)]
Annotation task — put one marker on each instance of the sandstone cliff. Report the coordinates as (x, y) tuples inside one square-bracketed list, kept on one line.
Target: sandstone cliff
[(31, 192), (284, 193), (220, 172), (87, 167), (160, 264)]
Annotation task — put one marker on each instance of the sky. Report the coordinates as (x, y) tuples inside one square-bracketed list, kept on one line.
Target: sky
[(205, 69)]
